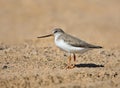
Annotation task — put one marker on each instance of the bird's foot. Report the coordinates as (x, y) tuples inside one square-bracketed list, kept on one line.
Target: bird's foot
[(70, 66)]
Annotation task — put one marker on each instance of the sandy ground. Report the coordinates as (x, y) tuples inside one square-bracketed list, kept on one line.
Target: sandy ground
[(30, 65), (28, 62)]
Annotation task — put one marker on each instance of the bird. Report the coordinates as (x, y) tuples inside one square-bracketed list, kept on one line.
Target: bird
[(70, 44)]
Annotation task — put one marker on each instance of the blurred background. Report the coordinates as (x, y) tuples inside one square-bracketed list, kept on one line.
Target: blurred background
[(95, 21)]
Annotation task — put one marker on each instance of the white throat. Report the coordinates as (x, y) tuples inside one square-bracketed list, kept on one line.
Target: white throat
[(57, 35)]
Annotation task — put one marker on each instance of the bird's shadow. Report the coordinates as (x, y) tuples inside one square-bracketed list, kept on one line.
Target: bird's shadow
[(89, 65)]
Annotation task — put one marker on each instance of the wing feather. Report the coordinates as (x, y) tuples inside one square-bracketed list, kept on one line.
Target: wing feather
[(77, 42)]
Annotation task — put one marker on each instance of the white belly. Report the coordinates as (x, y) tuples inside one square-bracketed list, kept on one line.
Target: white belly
[(68, 48)]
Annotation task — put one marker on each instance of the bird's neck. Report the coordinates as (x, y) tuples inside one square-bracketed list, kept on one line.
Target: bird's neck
[(57, 36)]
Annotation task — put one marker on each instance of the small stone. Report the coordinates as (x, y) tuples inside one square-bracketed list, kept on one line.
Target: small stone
[(5, 67)]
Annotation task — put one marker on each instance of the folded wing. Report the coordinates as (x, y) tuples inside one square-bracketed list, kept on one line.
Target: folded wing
[(77, 42)]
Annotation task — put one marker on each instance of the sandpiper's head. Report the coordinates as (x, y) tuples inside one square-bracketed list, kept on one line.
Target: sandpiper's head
[(57, 31)]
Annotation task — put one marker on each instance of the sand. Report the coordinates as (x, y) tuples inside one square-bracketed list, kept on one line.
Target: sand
[(28, 62), (30, 65)]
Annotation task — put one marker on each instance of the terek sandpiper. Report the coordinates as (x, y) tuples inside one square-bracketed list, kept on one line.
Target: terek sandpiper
[(70, 44)]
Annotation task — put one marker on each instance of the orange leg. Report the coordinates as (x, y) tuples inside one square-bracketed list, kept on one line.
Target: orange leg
[(74, 57), (74, 61), (69, 62), (70, 66)]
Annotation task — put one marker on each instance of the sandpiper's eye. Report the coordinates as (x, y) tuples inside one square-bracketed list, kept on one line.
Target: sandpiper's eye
[(55, 31)]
